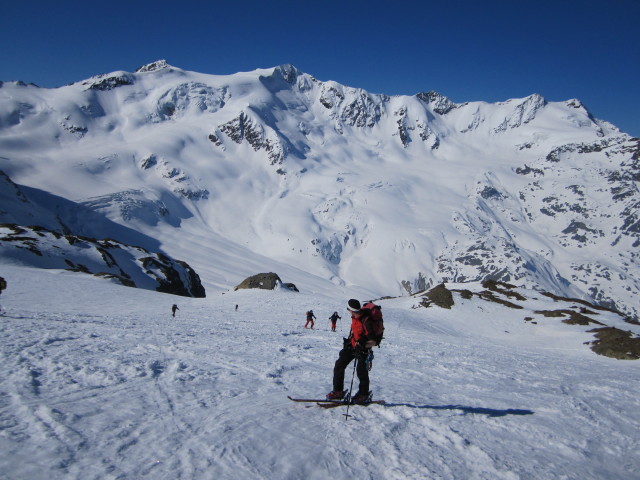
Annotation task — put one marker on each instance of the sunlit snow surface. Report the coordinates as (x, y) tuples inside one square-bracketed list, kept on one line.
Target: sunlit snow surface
[(100, 382)]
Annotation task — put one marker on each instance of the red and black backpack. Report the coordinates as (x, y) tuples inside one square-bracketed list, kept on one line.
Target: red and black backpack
[(377, 323)]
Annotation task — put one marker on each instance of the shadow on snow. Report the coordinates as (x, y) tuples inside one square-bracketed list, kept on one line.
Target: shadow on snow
[(490, 412)]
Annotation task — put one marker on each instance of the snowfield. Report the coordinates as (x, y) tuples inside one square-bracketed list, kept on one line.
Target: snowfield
[(100, 382)]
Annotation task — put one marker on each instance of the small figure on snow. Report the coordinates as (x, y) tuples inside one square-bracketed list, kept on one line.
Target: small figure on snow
[(334, 319), (357, 346), (3, 285), (236, 307), (310, 318), (174, 307)]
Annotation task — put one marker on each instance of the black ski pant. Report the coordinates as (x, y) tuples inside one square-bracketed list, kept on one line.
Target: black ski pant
[(345, 357)]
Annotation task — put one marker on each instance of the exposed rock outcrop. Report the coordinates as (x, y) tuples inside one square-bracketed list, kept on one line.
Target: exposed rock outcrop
[(128, 265), (265, 281)]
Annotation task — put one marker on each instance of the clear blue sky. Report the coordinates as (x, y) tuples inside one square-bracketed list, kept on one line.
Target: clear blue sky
[(488, 50)]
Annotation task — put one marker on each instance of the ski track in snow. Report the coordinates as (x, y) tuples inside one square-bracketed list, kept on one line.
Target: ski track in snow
[(100, 382)]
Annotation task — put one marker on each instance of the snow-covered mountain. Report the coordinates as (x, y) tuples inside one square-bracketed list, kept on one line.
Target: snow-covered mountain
[(274, 170), (38, 237)]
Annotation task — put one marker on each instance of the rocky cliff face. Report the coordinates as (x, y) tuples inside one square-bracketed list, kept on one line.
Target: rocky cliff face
[(125, 264), (44, 238)]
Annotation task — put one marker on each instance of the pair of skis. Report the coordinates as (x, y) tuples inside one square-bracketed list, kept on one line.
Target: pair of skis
[(324, 403)]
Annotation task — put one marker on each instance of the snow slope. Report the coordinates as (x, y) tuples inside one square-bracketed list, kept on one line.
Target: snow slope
[(100, 382)]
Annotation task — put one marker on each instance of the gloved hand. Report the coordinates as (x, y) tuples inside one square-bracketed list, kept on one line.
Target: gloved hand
[(362, 347), (366, 344)]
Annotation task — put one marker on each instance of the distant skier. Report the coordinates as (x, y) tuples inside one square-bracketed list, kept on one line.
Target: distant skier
[(173, 309), (236, 307), (334, 319), (310, 317), (3, 285)]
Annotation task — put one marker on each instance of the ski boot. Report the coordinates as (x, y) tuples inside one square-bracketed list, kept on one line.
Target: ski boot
[(336, 395), (362, 398)]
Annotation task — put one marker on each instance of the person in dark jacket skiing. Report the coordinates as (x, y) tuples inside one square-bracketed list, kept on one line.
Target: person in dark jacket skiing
[(3, 285), (310, 317), (334, 319), (357, 346), (174, 307)]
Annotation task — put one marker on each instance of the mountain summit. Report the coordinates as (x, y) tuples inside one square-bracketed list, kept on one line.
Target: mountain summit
[(274, 170)]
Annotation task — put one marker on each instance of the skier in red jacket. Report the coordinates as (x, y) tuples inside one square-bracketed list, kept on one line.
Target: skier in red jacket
[(357, 347)]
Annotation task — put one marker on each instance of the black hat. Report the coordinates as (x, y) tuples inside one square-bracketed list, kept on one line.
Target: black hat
[(353, 305)]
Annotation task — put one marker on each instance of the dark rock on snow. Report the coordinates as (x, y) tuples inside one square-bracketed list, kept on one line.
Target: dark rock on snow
[(265, 281)]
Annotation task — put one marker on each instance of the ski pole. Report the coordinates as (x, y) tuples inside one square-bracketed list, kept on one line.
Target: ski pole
[(355, 362)]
